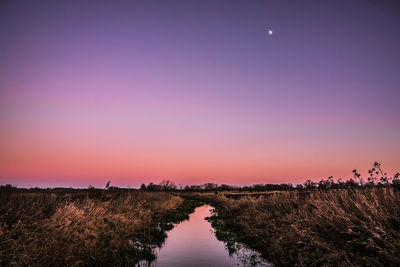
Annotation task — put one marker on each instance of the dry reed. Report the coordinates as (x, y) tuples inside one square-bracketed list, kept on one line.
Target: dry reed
[(42, 229), (344, 227)]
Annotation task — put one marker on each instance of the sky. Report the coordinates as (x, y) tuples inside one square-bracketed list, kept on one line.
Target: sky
[(197, 91)]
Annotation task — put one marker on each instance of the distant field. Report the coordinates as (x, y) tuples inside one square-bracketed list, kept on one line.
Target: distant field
[(240, 194)]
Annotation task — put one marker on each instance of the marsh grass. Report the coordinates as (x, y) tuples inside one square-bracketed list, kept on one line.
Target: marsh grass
[(47, 229), (344, 227)]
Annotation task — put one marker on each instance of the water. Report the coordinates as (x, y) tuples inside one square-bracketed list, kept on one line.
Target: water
[(193, 243)]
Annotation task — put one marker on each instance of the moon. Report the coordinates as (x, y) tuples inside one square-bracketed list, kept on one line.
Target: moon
[(269, 32)]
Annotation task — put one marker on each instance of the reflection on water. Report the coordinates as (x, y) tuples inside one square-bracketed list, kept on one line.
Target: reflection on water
[(193, 243)]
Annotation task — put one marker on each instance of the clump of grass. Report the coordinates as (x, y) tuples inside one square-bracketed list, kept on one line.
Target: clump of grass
[(318, 227), (43, 229)]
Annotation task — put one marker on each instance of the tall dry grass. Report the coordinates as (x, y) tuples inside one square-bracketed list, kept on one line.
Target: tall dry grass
[(342, 227), (43, 229)]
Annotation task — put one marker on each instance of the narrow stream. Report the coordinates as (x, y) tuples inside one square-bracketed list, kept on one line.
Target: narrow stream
[(193, 243)]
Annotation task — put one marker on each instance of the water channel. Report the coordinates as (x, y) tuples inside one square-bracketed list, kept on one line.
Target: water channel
[(193, 243)]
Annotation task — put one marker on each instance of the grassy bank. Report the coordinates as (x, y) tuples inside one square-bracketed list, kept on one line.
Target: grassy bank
[(45, 229), (312, 228)]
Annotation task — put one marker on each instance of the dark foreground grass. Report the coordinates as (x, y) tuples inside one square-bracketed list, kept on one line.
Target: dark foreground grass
[(338, 227), (45, 229)]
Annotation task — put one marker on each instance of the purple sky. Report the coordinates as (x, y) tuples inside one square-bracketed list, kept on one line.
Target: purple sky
[(197, 91)]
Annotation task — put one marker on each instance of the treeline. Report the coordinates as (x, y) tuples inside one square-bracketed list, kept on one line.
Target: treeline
[(65, 190), (328, 183), (168, 185), (377, 177), (106, 193)]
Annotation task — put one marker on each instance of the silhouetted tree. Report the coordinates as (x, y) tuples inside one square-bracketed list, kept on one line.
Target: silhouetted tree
[(210, 186), (167, 185), (309, 184)]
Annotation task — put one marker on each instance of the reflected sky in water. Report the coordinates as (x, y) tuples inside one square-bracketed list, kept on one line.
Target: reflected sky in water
[(193, 243)]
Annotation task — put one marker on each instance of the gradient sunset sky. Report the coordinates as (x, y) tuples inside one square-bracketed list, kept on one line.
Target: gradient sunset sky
[(197, 91)]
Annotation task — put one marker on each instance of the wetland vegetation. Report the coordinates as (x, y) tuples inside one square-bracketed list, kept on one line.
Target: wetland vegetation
[(324, 223), (345, 227), (52, 228)]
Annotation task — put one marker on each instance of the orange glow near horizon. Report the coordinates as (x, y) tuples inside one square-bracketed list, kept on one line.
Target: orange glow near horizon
[(185, 149), (138, 92)]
